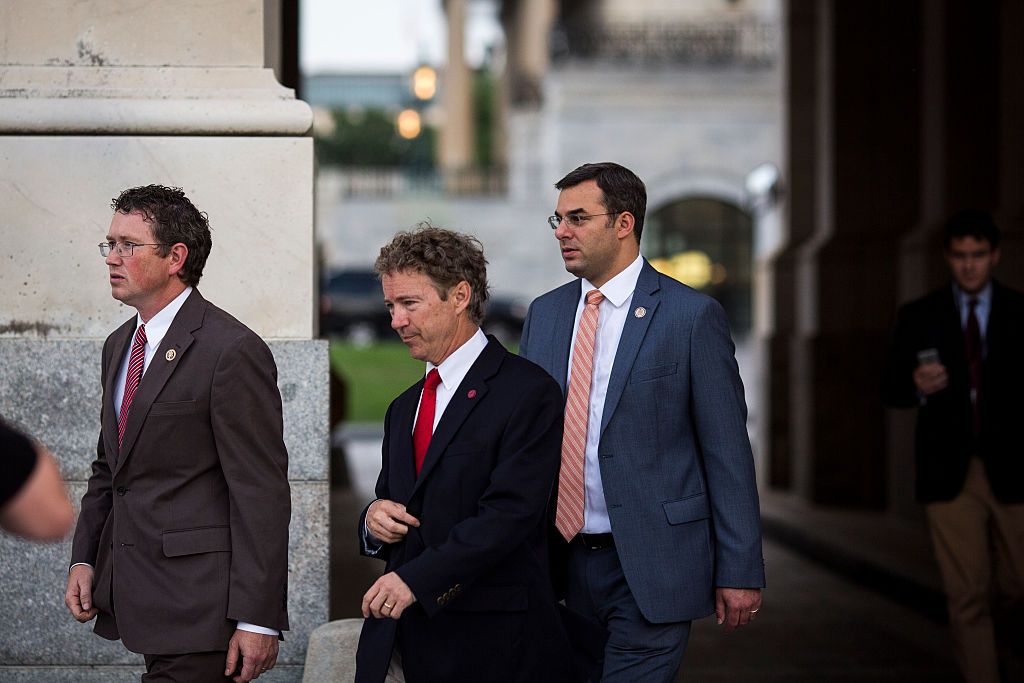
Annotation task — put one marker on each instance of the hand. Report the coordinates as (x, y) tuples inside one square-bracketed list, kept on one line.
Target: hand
[(78, 595), (736, 607), (387, 597), (388, 521), (40, 509), (257, 651), (930, 378)]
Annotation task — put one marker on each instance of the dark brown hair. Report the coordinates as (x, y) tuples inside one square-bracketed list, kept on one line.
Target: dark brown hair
[(446, 257), (623, 190), (174, 219)]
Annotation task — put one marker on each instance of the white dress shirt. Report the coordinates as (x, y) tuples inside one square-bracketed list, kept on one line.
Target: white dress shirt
[(613, 310), (156, 330), (981, 309), (453, 370)]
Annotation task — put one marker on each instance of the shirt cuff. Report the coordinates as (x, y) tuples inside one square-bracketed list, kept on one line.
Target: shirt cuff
[(76, 564), (253, 628), (371, 545)]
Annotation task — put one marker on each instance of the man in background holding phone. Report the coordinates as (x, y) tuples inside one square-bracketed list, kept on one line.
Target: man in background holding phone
[(958, 354)]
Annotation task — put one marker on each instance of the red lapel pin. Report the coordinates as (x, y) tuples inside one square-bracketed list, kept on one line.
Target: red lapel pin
[(471, 394)]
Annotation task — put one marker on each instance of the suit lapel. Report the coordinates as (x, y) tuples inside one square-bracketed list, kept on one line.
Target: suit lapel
[(994, 329), (644, 296), (179, 337), (561, 339), (461, 405), (118, 347), (401, 465), (953, 335)]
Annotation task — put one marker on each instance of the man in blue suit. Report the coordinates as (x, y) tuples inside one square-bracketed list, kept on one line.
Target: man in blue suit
[(657, 512)]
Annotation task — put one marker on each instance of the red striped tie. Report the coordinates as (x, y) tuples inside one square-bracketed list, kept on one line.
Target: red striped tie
[(136, 360), (569, 512)]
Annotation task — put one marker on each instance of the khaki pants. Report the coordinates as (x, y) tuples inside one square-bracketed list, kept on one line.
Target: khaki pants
[(979, 547)]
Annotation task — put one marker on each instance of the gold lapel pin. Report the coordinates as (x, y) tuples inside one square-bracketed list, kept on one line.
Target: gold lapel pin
[(170, 355), (640, 311)]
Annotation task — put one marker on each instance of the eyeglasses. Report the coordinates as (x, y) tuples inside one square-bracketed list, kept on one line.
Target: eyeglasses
[(576, 219), (124, 249)]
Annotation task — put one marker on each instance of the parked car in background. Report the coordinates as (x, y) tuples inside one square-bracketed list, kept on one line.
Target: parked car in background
[(352, 308)]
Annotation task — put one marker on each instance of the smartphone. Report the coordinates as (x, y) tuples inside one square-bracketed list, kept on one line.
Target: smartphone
[(926, 356)]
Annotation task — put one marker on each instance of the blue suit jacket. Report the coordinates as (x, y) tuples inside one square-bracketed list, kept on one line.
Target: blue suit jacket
[(477, 563), (675, 459)]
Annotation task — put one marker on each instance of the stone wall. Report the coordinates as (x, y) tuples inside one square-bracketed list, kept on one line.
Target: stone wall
[(98, 96)]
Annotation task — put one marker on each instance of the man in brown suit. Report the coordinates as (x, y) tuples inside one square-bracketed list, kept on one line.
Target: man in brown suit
[(181, 545)]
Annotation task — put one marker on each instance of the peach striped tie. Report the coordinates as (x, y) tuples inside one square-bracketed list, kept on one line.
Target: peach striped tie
[(569, 511)]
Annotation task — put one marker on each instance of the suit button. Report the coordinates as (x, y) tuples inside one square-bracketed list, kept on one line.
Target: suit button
[(121, 490), (440, 601)]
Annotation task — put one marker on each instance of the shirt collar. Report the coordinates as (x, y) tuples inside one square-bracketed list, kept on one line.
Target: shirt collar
[(454, 368), (158, 325), (619, 288), (984, 297)]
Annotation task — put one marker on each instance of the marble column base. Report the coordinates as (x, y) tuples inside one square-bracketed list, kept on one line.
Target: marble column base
[(52, 389)]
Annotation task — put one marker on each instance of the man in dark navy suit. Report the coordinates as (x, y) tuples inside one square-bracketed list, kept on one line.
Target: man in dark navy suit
[(958, 355), (469, 457)]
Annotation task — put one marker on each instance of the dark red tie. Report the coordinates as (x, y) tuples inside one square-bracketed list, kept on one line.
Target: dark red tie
[(425, 420), (972, 345), (136, 360)]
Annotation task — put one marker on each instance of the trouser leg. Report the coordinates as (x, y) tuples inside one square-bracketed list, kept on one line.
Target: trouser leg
[(193, 667), (960, 537), (636, 650), (1007, 533)]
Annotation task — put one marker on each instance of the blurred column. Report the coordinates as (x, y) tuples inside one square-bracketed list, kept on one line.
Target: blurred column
[(853, 78), (98, 96), (528, 25), (456, 139)]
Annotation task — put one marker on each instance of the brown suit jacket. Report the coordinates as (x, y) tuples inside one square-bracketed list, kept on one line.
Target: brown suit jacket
[(186, 523)]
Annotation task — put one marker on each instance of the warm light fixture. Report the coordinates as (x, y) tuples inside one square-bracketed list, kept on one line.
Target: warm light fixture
[(693, 268), (409, 124), (424, 83)]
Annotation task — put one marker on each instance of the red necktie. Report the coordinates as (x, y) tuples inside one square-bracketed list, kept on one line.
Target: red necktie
[(425, 420), (136, 359), (972, 345), (569, 511)]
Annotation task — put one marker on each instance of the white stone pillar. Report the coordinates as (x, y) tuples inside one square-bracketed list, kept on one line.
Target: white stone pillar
[(456, 140), (97, 96)]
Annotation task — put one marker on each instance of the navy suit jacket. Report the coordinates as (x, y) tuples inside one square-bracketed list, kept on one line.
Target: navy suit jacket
[(676, 465), (945, 431), (477, 563)]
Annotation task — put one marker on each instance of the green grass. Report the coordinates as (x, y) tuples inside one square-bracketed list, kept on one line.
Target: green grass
[(374, 375)]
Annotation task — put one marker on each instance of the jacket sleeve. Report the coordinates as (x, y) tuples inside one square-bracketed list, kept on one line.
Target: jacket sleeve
[(245, 412), (98, 498), (369, 546), (720, 418), (511, 507), (96, 504)]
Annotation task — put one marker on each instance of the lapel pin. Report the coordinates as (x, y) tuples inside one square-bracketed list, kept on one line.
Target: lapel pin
[(171, 353), (640, 311), (471, 393)]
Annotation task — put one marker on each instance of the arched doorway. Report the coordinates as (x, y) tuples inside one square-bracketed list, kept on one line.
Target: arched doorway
[(708, 244)]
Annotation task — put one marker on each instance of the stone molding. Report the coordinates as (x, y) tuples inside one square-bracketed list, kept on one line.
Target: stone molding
[(148, 101)]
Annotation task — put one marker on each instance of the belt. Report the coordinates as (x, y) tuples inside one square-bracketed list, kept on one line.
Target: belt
[(596, 541)]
